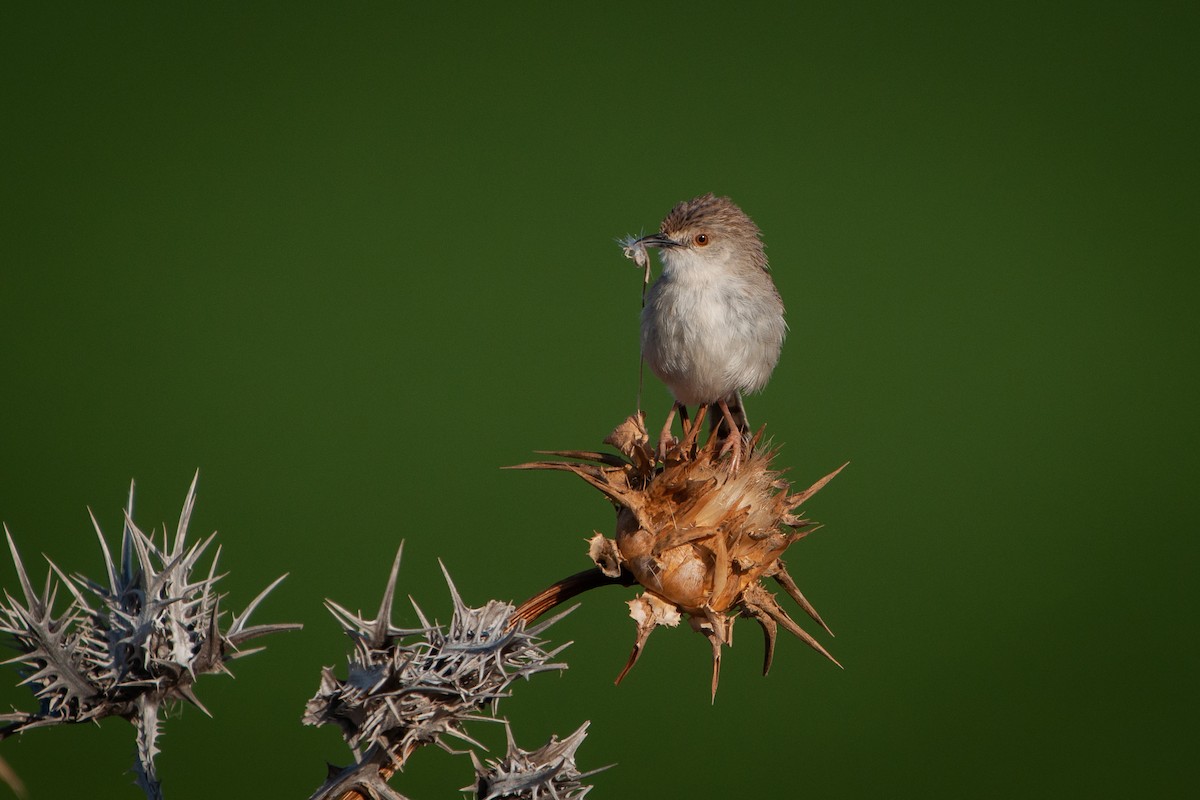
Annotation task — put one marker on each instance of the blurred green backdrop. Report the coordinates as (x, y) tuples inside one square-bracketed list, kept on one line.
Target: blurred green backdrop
[(350, 260)]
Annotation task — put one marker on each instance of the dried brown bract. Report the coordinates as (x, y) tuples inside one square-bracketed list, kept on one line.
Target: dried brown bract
[(698, 531)]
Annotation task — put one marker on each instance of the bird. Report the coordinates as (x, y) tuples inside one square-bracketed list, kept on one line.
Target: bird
[(713, 323)]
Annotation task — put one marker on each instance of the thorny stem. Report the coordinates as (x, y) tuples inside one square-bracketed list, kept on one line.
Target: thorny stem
[(385, 773), (354, 794), (561, 591)]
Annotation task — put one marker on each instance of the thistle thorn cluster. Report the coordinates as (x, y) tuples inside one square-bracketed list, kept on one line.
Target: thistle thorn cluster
[(549, 771), (408, 687), (128, 647)]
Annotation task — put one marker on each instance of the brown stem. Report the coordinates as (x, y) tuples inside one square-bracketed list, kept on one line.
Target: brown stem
[(563, 590), (385, 772)]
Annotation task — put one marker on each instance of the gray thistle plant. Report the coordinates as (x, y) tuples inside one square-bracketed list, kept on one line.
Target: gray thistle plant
[(549, 771), (128, 647), (408, 687)]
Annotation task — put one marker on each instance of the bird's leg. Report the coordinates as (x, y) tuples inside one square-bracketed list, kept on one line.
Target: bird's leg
[(665, 437), (692, 434), (733, 443)]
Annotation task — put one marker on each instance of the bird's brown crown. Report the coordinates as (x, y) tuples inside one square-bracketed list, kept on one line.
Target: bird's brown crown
[(718, 215), (708, 209)]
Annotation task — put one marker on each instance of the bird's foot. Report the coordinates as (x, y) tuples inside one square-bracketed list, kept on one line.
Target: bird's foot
[(735, 443), (665, 439), (735, 446)]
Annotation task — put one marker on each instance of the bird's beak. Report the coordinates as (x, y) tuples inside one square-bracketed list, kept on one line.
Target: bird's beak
[(657, 240)]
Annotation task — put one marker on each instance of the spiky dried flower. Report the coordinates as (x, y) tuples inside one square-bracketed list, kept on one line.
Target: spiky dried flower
[(549, 771), (408, 687), (698, 531), (130, 647)]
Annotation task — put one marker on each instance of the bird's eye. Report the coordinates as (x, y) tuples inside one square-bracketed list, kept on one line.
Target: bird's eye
[(701, 239)]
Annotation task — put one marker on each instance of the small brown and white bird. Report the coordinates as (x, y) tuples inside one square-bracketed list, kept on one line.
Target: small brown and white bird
[(713, 326)]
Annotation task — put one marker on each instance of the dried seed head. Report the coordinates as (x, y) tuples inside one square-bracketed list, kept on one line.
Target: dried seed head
[(410, 687), (698, 532), (130, 645)]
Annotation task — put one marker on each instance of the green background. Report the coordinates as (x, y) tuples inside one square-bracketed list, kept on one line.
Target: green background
[(350, 260)]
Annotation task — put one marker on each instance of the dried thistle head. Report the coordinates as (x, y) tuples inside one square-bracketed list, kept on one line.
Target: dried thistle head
[(408, 687), (699, 532), (130, 645)]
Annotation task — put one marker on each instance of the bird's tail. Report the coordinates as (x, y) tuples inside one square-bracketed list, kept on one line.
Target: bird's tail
[(717, 424)]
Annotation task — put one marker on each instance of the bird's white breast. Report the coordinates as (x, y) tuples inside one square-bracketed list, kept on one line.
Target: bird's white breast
[(709, 330)]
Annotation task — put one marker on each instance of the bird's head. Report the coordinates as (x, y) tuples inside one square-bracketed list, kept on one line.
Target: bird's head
[(707, 233)]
